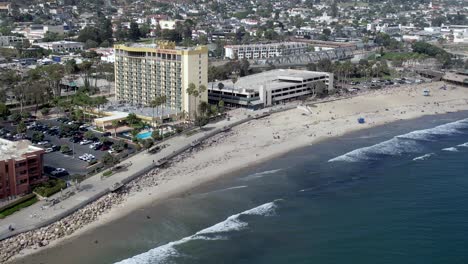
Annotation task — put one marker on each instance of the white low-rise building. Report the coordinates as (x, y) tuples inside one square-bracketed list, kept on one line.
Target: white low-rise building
[(269, 88), (460, 36), (37, 32), (61, 46), (262, 51), (10, 41)]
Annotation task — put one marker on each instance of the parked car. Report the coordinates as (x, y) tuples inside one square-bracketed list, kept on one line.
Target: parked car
[(74, 139), (106, 134), (43, 142), (59, 172), (85, 142), (87, 157), (49, 150), (55, 148), (95, 145)]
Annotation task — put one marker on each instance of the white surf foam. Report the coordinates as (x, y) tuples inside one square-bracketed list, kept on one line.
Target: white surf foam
[(406, 143), (394, 146), (424, 157), (451, 149), (163, 253), (465, 145)]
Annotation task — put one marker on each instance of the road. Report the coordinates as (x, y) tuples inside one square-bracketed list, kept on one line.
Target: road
[(94, 187)]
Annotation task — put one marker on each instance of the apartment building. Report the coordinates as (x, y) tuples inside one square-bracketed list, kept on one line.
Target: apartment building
[(61, 46), (262, 51), (20, 167), (144, 72)]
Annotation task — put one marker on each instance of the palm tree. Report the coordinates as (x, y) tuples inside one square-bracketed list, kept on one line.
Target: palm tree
[(220, 88), (201, 90), (115, 124), (163, 102), (193, 91), (234, 80), (155, 103)]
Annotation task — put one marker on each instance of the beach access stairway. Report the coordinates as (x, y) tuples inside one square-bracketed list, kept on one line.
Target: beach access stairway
[(43, 213)]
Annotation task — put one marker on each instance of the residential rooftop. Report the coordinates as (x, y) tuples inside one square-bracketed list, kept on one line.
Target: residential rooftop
[(15, 149)]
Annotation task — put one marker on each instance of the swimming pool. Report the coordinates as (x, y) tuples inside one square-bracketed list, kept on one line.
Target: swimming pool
[(144, 135)]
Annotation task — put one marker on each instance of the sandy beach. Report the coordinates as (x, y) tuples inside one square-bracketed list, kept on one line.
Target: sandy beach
[(275, 135)]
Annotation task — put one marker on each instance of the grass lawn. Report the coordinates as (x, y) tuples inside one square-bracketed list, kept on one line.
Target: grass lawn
[(10, 210), (50, 187), (403, 56)]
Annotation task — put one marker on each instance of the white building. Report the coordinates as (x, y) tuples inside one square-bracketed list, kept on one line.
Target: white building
[(61, 46), (107, 54), (261, 51), (269, 88), (460, 36), (168, 24), (10, 41), (37, 32)]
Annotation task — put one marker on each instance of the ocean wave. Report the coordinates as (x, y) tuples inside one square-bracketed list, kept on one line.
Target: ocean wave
[(394, 146), (424, 157), (445, 129), (163, 253), (260, 174), (465, 145), (406, 143), (451, 149)]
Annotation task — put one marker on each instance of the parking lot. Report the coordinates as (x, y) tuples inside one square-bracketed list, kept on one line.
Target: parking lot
[(377, 83), (69, 161)]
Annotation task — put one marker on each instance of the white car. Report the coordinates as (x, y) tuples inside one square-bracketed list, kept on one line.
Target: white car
[(87, 157), (49, 150), (43, 142), (58, 171), (85, 142)]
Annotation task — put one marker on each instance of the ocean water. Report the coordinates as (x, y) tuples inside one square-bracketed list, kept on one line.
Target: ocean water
[(391, 194)]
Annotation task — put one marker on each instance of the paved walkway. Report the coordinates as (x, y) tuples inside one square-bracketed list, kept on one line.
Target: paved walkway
[(95, 187)]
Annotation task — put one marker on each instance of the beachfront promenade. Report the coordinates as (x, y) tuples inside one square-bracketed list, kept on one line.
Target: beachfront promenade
[(40, 215)]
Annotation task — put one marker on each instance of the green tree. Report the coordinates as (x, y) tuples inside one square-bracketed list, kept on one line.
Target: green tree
[(115, 125), (108, 160), (221, 106), (334, 9), (88, 135), (21, 128), (64, 149), (37, 136), (193, 91), (4, 111), (134, 33), (156, 135), (203, 108)]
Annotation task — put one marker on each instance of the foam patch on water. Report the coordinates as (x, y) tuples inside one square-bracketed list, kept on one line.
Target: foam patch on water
[(261, 174), (162, 254), (464, 145), (406, 143), (451, 149), (424, 157)]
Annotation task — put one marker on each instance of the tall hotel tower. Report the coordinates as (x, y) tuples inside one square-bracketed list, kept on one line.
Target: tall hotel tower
[(144, 72)]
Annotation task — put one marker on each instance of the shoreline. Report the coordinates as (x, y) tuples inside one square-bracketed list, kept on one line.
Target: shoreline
[(260, 140)]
